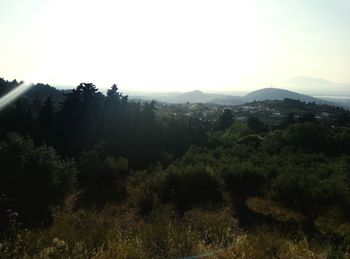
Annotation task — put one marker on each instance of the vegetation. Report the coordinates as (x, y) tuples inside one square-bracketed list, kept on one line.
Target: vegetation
[(89, 175)]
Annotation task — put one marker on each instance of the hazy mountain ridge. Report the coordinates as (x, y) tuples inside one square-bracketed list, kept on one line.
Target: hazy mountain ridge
[(198, 96), (306, 84), (280, 94), (42, 91)]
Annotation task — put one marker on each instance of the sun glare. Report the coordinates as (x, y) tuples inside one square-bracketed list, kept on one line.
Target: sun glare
[(14, 94), (160, 45), (150, 45)]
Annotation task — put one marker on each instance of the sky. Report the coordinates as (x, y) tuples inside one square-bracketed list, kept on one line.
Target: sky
[(182, 45)]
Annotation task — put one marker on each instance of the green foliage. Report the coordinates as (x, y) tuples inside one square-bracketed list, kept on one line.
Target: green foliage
[(153, 178), (312, 190), (309, 137), (341, 141), (252, 141), (102, 177), (256, 125), (33, 177), (79, 119), (235, 132), (274, 142), (243, 180), (225, 120), (192, 187)]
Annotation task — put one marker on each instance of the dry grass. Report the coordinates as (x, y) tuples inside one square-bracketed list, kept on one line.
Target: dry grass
[(270, 208), (117, 232)]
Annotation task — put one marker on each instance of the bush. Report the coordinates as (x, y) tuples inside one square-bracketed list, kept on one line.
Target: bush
[(34, 178), (102, 178), (311, 191), (243, 180), (309, 137), (193, 187), (273, 142)]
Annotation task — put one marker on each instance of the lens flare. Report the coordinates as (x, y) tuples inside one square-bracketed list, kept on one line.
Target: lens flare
[(14, 94)]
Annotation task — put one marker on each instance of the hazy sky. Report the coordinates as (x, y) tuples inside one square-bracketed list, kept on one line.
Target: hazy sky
[(174, 45)]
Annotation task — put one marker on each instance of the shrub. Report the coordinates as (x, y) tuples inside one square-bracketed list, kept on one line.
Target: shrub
[(243, 180), (34, 178), (311, 190), (193, 187), (102, 177), (309, 137)]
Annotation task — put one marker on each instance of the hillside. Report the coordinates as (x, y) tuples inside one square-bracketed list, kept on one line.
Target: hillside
[(37, 91), (280, 94), (226, 99), (136, 180), (42, 91), (195, 96)]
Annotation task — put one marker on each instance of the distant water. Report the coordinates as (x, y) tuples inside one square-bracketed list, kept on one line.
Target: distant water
[(333, 97)]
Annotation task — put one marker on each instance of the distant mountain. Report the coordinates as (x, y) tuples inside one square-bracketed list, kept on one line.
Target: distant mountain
[(225, 99), (198, 96), (193, 96), (318, 86), (280, 94), (341, 100), (228, 100), (311, 81)]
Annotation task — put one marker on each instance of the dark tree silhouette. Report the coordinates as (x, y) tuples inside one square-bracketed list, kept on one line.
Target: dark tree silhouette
[(79, 119), (256, 125), (46, 114), (225, 120), (34, 178)]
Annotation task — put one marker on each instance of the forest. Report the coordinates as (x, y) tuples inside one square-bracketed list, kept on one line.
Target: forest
[(86, 174)]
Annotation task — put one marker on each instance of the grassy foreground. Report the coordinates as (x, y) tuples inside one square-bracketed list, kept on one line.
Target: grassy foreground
[(118, 232)]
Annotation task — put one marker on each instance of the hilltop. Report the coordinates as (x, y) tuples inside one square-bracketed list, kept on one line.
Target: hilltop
[(280, 94), (198, 96)]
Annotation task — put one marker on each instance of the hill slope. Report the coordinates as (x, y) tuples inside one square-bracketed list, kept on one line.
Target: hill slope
[(194, 97), (280, 94), (258, 95)]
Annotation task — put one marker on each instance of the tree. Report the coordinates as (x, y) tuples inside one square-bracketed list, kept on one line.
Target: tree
[(242, 181), (274, 142), (312, 190), (46, 114), (102, 177), (33, 177), (288, 120), (308, 117), (256, 125), (308, 137), (148, 135), (193, 187), (341, 140), (80, 119), (343, 119), (225, 120)]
